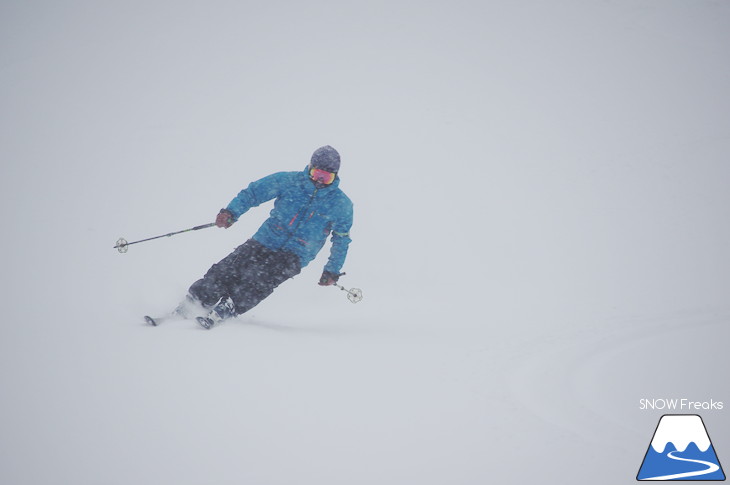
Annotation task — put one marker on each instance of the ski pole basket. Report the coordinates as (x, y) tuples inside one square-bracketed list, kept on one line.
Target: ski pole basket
[(353, 294)]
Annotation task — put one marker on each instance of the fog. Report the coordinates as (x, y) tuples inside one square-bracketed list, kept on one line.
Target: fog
[(540, 234)]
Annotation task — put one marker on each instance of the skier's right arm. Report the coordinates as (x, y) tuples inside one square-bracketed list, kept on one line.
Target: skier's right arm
[(256, 194)]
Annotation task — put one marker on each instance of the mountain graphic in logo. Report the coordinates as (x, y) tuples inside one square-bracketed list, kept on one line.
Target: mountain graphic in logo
[(681, 450)]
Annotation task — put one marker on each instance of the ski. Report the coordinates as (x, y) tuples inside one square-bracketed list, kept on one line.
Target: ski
[(190, 309), (155, 321), (205, 322), (186, 310)]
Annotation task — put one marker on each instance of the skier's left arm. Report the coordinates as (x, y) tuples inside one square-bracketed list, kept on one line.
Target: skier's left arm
[(340, 240)]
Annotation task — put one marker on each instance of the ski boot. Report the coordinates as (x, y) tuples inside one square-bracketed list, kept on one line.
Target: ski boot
[(223, 310)]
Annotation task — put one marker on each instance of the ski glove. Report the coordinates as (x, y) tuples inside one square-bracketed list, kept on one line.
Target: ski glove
[(329, 279), (224, 219)]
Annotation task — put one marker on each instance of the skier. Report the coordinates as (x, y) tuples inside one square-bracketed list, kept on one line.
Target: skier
[(308, 207)]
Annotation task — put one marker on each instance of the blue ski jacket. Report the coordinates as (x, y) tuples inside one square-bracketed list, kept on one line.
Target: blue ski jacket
[(302, 218)]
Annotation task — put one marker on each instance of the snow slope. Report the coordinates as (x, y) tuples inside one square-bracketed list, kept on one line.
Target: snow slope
[(541, 234)]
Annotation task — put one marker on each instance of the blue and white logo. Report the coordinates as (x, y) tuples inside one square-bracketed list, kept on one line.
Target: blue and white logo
[(681, 450)]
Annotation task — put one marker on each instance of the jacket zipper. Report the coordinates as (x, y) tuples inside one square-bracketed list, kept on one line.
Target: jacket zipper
[(296, 216)]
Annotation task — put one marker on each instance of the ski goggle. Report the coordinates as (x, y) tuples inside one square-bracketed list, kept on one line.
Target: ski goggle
[(322, 176)]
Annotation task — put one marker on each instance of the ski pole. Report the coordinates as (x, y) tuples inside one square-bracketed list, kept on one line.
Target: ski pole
[(123, 246), (353, 294)]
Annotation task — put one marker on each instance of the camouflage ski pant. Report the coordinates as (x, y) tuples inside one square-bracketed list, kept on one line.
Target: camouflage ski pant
[(247, 275)]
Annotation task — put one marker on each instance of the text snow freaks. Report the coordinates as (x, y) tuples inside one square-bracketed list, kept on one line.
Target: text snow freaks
[(680, 404)]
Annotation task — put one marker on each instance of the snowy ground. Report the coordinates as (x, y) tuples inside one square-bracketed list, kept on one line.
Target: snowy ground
[(541, 235)]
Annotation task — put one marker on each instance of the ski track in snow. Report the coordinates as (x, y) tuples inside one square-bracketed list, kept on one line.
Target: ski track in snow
[(566, 386)]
